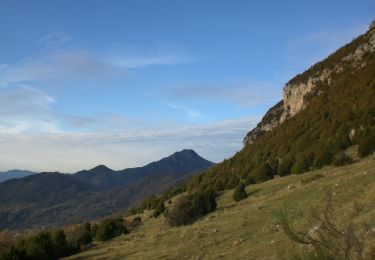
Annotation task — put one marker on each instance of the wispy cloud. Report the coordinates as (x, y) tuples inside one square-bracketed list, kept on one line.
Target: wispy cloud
[(24, 100), (52, 151), (83, 64), (158, 59), (244, 93), (25, 109), (191, 113), (100, 122), (56, 39), (56, 65), (305, 50)]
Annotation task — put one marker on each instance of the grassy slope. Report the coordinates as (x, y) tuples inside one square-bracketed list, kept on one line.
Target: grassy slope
[(219, 234)]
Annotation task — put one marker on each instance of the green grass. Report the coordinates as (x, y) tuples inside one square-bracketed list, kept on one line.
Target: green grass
[(249, 229)]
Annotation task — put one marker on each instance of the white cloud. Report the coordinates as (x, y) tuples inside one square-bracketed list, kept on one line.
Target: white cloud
[(55, 40), (24, 109), (159, 59), (191, 113), (56, 65), (74, 151), (306, 50), (62, 64), (244, 93)]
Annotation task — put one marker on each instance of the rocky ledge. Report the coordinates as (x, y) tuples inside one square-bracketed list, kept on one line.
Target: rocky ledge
[(295, 92)]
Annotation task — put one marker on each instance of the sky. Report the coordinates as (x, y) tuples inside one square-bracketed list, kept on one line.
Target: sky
[(124, 83)]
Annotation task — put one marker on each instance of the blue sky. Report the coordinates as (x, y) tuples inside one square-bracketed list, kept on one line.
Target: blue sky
[(123, 83)]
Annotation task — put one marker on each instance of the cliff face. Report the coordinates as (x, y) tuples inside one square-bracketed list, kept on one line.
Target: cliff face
[(268, 122), (301, 89)]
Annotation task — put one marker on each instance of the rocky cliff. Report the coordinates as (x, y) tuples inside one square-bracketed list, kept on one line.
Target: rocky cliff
[(301, 89)]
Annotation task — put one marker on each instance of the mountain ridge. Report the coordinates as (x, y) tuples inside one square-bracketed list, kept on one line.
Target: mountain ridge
[(44, 199), (296, 91), (14, 174)]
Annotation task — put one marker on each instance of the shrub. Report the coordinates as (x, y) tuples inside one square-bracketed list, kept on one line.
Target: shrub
[(240, 192), (300, 166), (160, 208), (249, 180), (285, 166), (87, 235), (367, 145), (59, 243), (218, 186), (110, 228), (136, 221), (231, 182), (311, 178), (342, 159), (323, 158), (262, 173), (327, 239), (40, 246), (189, 208)]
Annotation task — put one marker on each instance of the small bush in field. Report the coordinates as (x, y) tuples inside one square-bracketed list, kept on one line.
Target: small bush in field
[(110, 228), (160, 208), (311, 178), (240, 192), (189, 208), (367, 145), (87, 235)]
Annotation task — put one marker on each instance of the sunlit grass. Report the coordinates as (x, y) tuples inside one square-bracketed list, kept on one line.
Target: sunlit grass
[(249, 229)]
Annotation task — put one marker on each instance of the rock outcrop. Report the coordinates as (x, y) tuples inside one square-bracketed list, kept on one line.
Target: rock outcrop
[(298, 91), (268, 122)]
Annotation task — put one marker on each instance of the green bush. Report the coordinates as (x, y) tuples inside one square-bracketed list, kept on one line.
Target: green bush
[(87, 235), (160, 208), (367, 145), (311, 178), (341, 159), (231, 182), (240, 192), (249, 180), (263, 173), (43, 246), (189, 208), (136, 221), (285, 166), (300, 166), (110, 228)]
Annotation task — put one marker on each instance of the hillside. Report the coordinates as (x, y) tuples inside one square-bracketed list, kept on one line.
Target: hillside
[(46, 199), (250, 228), (325, 110), (326, 118), (14, 174)]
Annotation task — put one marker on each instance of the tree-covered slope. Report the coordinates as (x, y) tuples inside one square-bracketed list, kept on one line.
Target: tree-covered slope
[(337, 112), (249, 229)]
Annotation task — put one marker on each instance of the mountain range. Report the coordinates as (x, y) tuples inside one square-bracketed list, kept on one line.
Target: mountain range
[(14, 174), (46, 199)]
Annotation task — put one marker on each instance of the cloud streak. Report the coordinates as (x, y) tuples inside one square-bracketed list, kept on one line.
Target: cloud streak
[(62, 64), (191, 113), (243, 93), (308, 49), (24, 109), (52, 151)]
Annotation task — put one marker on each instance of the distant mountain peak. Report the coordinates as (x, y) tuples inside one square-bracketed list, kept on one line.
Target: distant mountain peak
[(187, 152), (14, 174), (101, 169)]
